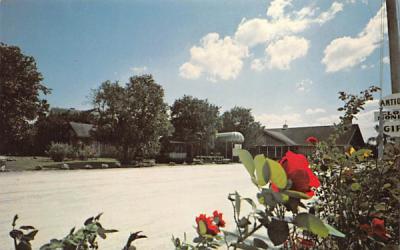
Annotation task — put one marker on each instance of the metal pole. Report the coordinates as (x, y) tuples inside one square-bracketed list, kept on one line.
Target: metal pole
[(394, 47)]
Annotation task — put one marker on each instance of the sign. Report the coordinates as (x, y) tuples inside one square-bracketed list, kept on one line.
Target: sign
[(392, 115), (391, 101), (392, 128), (235, 149)]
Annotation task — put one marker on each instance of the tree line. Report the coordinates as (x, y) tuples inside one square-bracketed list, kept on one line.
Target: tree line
[(133, 117)]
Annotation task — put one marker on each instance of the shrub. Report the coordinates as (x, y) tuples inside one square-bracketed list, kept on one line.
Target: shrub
[(58, 151), (84, 238), (84, 153)]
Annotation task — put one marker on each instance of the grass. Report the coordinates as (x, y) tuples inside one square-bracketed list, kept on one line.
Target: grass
[(21, 163)]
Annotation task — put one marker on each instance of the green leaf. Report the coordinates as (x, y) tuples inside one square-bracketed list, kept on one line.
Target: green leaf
[(31, 235), (333, 231), (245, 246), (355, 186), (312, 224), (278, 231), (202, 228), (237, 204), (26, 227), (251, 202), (296, 194), (280, 197), (259, 243), (387, 185), (247, 160), (259, 162), (14, 220), (278, 174)]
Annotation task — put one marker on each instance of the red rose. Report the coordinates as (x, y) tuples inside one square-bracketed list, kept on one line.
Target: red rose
[(297, 170), (306, 243), (378, 228), (218, 219), (312, 140), (211, 228), (366, 228)]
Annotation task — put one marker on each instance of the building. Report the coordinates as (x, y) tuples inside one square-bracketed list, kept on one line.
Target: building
[(274, 143), (80, 133)]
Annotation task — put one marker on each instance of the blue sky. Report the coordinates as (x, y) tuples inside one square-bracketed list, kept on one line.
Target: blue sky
[(284, 59)]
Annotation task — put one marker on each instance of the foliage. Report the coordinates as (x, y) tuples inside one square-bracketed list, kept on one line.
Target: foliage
[(282, 187), (241, 120), (359, 195), (22, 236), (84, 152), (58, 151), (55, 127), (20, 102), (208, 229), (132, 117), (84, 238), (195, 120)]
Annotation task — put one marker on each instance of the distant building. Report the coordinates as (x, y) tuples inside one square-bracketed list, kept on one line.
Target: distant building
[(80, 133), (274, 143)]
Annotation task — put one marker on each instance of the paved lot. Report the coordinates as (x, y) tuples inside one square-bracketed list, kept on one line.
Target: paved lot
[(160, 201)]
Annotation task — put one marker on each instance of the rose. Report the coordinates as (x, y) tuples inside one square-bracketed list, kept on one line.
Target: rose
[(205, 225), (376, 228), (297, 170), (218, 219), (312, 140)]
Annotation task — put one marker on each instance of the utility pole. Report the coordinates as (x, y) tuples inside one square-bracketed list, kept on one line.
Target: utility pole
[(394, 47)]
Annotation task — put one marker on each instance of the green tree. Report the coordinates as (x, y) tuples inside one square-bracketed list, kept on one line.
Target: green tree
[(55, 127), (195, 120), (20, 101), (132, 118), (241, 120)]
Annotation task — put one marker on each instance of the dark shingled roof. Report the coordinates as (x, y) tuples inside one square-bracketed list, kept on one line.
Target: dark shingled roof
[(82, 130), (298, 136)]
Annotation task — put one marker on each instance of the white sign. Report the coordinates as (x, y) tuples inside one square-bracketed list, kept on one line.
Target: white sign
[(392, 128), (235, 149), (392, 115), (391, 101)]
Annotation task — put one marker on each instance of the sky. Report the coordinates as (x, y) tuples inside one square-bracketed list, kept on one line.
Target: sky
[(284, 59)]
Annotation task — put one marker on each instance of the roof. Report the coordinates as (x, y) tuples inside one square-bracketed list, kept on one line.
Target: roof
[(281, 137), (81, 130), (298, 135), (235, 137)]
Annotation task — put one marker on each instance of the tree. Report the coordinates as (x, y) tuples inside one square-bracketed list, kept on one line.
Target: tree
[(20, 102), (241, 120), (195, 120), (132, 118), (55, 127)]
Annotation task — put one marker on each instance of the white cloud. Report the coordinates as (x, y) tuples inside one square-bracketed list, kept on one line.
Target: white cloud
[(277, 7), (139, 70), (218, 58), (282, 52), (222, 58), (346, 52), (367, 66), (277, 120), (190, 71), (327, 120), (304, 85), (261, 30), (311, 111), (386, 60)]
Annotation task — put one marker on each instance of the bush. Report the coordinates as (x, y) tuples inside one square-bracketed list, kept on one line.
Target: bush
[(58, 151), (84, 153)]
